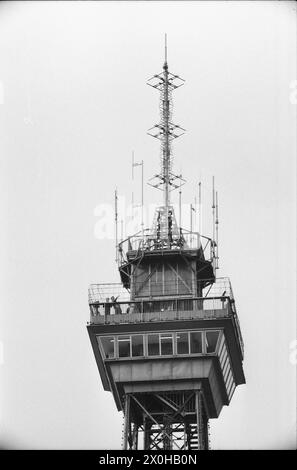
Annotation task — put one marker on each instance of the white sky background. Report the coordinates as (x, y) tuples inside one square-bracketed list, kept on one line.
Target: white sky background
[(74, 103)]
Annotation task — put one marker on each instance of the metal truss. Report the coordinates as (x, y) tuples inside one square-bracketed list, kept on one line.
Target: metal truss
[(167, 421)]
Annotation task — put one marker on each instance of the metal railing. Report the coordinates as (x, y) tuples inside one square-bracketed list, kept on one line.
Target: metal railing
[(146, 241), (111, 303), (170, 309), (172, 304), (101, 292)]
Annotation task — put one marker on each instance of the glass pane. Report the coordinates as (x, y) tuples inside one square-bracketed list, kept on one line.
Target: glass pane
[(229, 382), (223, 353), (211, 341), (222, 345), (196, 342), (124, 346), (153, 345), (231, 390), (137, 345), (107, 343), (182, 340), (226, 369), (148, 307), (166, 344)]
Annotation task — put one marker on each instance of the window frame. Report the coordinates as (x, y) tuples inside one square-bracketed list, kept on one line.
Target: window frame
[(176, 348), (131, 345), (202, 342), (147, 336), (160, 343), (216, 348), (119, 340), (101, 347)]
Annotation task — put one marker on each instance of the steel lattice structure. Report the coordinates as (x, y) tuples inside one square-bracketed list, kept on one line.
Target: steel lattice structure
[(167, 421), (166, 131)]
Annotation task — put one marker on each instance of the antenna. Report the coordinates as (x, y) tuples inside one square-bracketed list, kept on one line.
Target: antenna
[(116, 222), (166, 131), (199, 205), (122, 230), (180, 211), (134, 164), (132, 194), (213, 209), (195, 218), (192, 209), (213, 242), (217, 231)]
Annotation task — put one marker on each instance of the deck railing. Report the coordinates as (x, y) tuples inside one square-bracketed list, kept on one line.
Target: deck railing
[(111, 304)]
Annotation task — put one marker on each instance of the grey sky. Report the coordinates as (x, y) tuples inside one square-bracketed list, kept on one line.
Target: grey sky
[(73, 104)]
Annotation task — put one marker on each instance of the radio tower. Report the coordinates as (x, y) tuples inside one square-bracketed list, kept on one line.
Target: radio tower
[(167, 339)]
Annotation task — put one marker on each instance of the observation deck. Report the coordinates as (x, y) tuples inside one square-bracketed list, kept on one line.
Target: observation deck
[(217, 303)]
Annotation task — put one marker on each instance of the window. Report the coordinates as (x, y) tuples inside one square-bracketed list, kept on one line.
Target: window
[(137, 345), (225, 364), (153, 345), (226, 369), (182, 342), (195, 342), (107, 343), (223, 354), (231, 390), (166, 344), (211, 341), (229, 382), (124, 346), (222, 345)]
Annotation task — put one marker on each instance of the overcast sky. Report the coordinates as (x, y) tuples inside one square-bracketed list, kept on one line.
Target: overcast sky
[(73, 105)]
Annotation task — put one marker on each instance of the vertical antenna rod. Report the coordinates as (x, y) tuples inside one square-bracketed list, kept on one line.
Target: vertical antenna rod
[(213, 223), (122, 230), (116, 222), (134, 164), (180, 211), (132, 194), (217, 231), (199, 206)]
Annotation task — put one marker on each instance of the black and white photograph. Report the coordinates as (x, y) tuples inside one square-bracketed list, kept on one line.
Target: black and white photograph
[(148, 228)]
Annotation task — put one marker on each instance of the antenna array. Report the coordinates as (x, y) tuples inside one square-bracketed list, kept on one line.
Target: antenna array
[(166, 131)]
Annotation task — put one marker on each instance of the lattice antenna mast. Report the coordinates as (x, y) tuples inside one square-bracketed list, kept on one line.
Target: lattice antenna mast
[(166, 131)]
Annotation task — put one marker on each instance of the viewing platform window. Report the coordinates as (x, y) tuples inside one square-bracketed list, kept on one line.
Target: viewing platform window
[(124, 344), (211, 340), (153, 345), (137, 345), (182, 343), (108, 345), (166, 344), (226, 366), (196, 342)]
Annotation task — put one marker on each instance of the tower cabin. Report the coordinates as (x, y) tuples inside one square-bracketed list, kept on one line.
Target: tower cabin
[(167, 339)]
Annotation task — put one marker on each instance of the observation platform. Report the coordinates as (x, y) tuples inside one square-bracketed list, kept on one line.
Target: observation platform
[(149, 343)]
